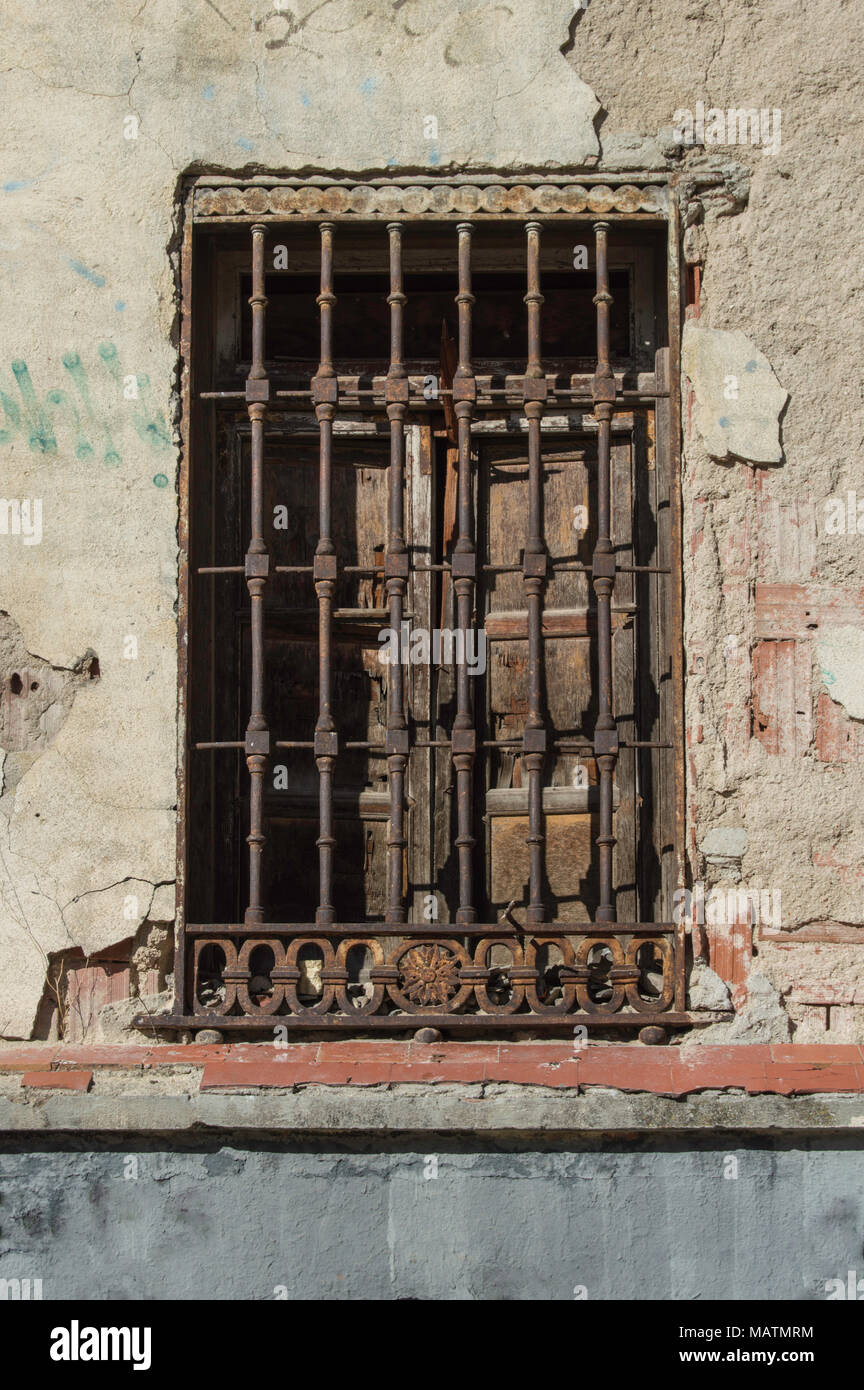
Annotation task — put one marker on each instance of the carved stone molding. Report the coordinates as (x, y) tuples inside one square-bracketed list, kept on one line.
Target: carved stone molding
[(445, 200)]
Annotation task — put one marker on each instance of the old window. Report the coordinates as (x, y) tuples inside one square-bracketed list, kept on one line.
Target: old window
[(437, 423)]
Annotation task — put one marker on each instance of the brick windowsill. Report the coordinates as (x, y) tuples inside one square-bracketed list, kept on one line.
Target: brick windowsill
[(785, 1070)]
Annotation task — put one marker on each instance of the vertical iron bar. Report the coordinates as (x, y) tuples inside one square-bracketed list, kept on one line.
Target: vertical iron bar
[(396, 579), (325, 394), (603, 573), (464, 575), (534, 568), (257, 568)]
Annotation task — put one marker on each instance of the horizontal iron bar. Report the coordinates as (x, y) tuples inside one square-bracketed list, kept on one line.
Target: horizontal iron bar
[(563, 743), (626, 397), (443, 929), (404, 1023), (426, 569)]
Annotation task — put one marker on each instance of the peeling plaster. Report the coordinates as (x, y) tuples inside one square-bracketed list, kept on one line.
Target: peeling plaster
[(840, 653), (738, 398)]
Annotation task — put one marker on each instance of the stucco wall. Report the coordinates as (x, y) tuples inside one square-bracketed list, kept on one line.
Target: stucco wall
[(108, 105), (235, 1219)]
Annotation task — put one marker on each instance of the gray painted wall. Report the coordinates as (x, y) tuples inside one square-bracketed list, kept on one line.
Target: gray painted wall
[(235, 1220)]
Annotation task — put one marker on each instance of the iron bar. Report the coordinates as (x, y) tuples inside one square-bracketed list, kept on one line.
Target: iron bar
[(257, 569), (463, 568), (325, 394), (503, 927), (396, 581), (534, 570), (603, 571)]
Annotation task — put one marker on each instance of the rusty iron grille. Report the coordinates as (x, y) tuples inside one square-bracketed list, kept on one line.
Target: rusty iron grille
[(523, 968)]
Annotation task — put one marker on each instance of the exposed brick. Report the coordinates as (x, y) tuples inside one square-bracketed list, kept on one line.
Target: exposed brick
[(439, 1072), (799, 610), (26, 1058), (786, 537), (825, 994), (91, 985), (804, 1080), (363, 1049), (125, 1055), (722, 1068), (534, 1074), (456, 1051), (536, 1052), (58, 1080), (245, 1074), (629, 1068), (782, 699), (801, 1055), (730, 954), (838, 932), (733, 547)]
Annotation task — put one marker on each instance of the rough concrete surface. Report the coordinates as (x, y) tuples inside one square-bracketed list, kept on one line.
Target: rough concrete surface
[(440, 1219), (107, 106)]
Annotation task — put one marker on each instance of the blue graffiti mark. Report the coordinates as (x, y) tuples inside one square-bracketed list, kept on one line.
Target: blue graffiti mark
[(160, 480), (93, 276), (120, 305), (305, 99), (209, 92), (369, 86), (390, 161), (752, 366), (244, 143), (15, 185), (434, 156)]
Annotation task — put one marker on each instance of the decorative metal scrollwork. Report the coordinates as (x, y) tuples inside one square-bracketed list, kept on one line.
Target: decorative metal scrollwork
[(550, 975)]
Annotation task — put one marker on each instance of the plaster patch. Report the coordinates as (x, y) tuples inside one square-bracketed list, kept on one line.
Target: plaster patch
[(841, 664), (738, 397)]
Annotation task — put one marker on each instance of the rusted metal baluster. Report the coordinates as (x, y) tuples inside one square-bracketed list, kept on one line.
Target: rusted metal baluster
[(396, 577), (257, 569), (325, 394), (534, 569), (603, 573), (464, 574)]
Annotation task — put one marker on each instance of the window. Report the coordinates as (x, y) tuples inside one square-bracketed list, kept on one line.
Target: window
[(435, 423)]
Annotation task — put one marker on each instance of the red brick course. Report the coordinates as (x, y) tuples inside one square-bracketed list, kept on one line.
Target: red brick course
[(791, 1069), (58, 1080)]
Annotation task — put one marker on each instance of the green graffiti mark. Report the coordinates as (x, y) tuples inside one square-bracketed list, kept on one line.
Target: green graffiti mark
[(83, 447), (150, 426), (38, 420), (35, 422), (75, 367)]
